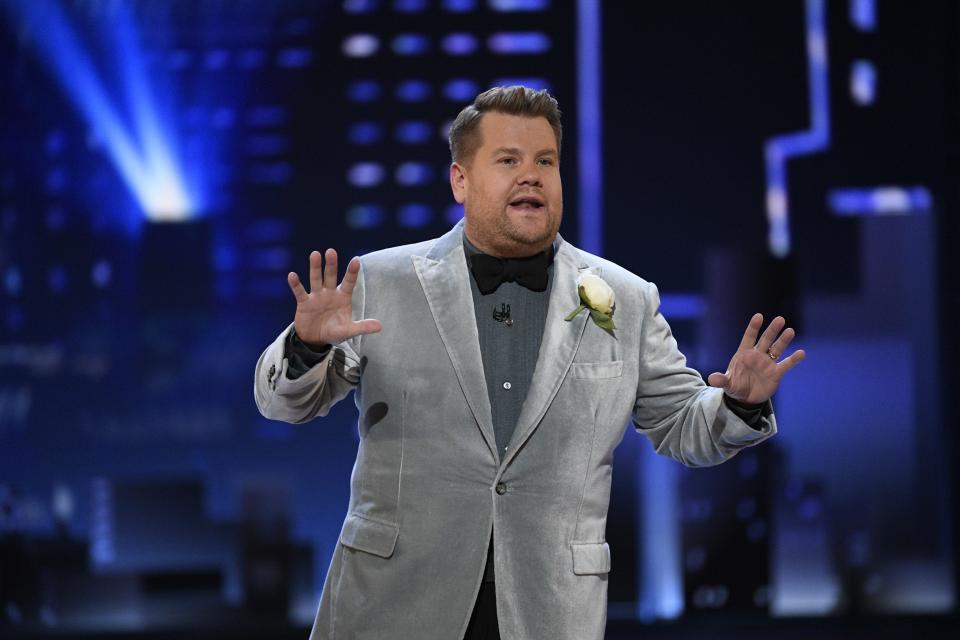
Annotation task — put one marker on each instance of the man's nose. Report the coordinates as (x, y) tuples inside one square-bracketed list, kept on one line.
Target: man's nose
[(530, 175)]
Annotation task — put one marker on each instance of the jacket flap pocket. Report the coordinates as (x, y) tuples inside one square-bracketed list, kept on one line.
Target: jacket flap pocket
[(590, 558), (612, 369), (373, 537)]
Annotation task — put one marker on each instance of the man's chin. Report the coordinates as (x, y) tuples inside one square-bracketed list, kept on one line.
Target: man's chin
[(530, 238)]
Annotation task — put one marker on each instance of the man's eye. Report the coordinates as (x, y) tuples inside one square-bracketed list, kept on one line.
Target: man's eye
[(546, 161), (508, 160)]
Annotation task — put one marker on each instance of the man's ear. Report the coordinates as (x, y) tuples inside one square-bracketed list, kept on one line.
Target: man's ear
[(458, 182)]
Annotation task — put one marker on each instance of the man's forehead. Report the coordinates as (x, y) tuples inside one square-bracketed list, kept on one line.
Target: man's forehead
[(503, 130)]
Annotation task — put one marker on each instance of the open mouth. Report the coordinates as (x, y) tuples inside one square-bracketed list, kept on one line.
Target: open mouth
[(527, 203)]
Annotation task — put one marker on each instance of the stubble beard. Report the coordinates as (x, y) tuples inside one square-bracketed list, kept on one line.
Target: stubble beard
[(507, 238), (522, 235)]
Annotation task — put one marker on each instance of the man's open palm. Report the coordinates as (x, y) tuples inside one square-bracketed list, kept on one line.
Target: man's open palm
[(325, 315), (754, 374)]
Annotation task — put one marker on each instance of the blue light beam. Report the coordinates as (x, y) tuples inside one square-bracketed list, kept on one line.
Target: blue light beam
[(142, 155)]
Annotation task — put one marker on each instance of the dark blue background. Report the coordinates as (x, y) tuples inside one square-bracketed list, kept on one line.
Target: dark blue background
[(165, 164)]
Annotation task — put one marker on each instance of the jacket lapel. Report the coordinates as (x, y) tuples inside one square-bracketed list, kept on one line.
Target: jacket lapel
[(445, 280), (558, 346)]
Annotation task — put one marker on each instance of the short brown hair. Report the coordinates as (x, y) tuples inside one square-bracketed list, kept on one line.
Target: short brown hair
[(517, 100)]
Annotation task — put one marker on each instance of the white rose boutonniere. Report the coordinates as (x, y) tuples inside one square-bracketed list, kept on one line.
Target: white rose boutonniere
[(597, 296)]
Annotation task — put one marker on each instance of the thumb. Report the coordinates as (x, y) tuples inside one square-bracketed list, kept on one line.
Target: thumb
[(368, 325), (717, 379)]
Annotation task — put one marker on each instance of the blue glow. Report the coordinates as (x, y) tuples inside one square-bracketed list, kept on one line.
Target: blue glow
[(216, 59), (590, 125), (273, 430), (460, 44), (265, 288), (360, 6), (879, 201), (682, 306), (413, 132), (660, 576), (518, 42), (12, 281), (444, 130), (533, 83), (459, 6), (364, 91), (863, 82), (57, 279), (266, 145), (102, 550), (360, 45), (55, 219), (226, 257), (413, 91), (101, 274), (268, 259), (780, 149), (453, 213), (365, 216), (143, 155), (461, 89), (56, 180), (363, 133), (519, 5), (179, 60), (251, 59), (365, 174), (863, 14), (295, 58), (15, 318), (412, 174), (55, 143), (410, 44), (266, 116), (269, 230), (223, 118), (409, 6), (271, 173), (414, 215)]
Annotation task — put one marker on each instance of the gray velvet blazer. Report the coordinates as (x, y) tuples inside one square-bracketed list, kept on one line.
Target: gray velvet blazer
[(428, 484)]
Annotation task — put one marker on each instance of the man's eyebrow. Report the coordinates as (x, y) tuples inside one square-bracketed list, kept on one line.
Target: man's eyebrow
[(517, 152)]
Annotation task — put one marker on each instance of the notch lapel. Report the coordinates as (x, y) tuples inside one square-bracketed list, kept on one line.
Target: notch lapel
[(557, 347), (445, 280)]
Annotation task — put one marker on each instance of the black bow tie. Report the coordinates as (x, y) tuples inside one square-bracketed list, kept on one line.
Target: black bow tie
[(531, 272)]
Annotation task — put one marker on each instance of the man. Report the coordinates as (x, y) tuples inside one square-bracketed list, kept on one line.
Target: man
[(491, 398)]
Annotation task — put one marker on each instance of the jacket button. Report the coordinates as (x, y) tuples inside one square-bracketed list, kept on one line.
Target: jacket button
[(501, 488)]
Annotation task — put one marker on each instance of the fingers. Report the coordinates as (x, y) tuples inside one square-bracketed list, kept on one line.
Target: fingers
[(298, 292), (750, 335), (316, 278), (350, 277), (330, 270), (717, 379), (773, 329), (782, 342), (789, 363)]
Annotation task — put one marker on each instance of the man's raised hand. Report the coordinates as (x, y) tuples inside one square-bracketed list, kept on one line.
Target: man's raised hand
[(754, 374), (325, 315)]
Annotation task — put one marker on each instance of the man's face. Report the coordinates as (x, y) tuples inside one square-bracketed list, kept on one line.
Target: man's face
[(510, 189)]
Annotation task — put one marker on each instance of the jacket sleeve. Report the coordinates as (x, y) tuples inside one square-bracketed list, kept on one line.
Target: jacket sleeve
[(300, 397), (682, 416)]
